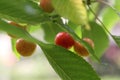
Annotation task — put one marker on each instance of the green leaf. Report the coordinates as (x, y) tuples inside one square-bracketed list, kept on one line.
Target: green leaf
[(99, 37), (13, 41), (73, 10), (116, 39), (117, 3), (50, 30), (110, 18), (68, 65), (33, 28), (24, 11)]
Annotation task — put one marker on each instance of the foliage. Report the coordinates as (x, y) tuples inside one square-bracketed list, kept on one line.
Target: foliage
[(66, 63)]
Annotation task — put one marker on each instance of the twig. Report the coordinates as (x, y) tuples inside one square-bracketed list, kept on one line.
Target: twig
[(113, 8), (99, 20)]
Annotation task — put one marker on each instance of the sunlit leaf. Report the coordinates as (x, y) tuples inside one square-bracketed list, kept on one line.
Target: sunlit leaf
[(73, 10)]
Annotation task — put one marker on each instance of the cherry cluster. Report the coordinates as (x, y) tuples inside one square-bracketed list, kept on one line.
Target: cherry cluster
[(65, 40)]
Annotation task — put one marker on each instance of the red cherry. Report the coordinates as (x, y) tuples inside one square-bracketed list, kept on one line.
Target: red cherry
[(80, 49), (64, 39), (46, 5), (25, 48)]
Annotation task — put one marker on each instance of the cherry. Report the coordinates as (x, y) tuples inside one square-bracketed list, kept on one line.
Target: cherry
[(25, 48), (46, 5), (64, 39), (80, 49), (89, 41)]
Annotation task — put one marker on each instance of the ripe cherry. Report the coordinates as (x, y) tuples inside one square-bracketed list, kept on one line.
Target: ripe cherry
[(80, 49), (25, 48), (46, 5), (64, 39)]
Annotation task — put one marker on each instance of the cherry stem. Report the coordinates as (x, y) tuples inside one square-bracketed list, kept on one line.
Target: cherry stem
[(99, 19), (103, 25), (88, 2)]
